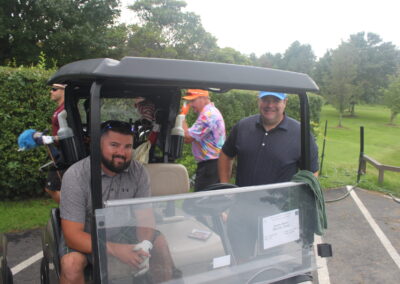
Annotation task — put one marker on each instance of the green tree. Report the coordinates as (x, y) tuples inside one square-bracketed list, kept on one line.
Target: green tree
[(377, 60), (64, 30), (164, 30), (229, 55), (270, 60), (299, 58), (322, 71), (340, 83), (392, 97)]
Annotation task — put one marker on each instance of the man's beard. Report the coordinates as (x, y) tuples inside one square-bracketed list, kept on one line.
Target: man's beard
[(112, 166)]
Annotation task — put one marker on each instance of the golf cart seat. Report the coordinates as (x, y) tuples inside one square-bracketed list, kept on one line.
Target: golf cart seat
[(167, 179), (52, 258)]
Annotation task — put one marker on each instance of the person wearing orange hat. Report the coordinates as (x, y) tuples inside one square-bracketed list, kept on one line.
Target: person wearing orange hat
[(207, 136)]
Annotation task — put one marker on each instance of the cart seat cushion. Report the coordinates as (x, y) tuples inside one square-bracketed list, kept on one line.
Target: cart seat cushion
[(167, 178)]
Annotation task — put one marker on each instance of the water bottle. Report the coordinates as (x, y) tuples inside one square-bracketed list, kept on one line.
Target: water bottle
[(66, 139), (177, 136)]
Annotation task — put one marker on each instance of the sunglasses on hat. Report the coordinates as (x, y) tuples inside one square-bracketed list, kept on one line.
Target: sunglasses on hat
[(126, 127)]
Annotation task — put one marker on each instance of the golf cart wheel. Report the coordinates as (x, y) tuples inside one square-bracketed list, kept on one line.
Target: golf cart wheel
[(9, 276), (44, 272)]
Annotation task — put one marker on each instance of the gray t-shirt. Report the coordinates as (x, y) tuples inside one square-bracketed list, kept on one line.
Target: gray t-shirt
[(76, 202)]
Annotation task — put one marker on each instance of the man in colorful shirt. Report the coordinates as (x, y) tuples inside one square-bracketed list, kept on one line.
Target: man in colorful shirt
[(207, 136)]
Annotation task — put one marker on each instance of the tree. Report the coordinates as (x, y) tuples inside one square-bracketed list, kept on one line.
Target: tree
[(164, 30), (299, 58), (340, 86), (392, 97), (270, 60), (64, 30), (229, 55), (377, 60), (322, 71)]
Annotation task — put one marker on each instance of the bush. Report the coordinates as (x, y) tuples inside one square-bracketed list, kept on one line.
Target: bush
[(25, 103)]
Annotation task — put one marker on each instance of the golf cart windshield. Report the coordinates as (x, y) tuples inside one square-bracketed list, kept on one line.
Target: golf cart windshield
[(239, 235)]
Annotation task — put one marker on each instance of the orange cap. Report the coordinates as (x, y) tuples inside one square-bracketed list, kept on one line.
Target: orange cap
[(194, 94)]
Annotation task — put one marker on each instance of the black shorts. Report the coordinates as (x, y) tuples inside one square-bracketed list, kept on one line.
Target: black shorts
[(206, 174), (53, 181)]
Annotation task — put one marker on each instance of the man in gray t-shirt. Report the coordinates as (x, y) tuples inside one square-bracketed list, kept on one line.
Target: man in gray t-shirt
[(122, 178)]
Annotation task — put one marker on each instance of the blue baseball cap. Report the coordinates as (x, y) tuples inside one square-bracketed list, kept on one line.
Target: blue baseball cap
[(280, 96)]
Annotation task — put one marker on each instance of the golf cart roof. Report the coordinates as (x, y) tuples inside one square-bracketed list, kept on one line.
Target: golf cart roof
[(184, 73)]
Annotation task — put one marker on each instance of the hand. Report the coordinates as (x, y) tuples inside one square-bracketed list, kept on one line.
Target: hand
[(41, 139), (127, 254), (185, 108), (145, 246)]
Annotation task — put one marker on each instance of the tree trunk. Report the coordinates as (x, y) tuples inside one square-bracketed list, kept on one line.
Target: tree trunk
[(392, 117), (352, 109), (340, 119)]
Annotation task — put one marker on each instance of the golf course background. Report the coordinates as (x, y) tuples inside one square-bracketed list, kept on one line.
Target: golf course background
[(342, 148)]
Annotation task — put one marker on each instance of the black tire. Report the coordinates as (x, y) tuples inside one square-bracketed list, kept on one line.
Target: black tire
[(44, 272), (9, 276)]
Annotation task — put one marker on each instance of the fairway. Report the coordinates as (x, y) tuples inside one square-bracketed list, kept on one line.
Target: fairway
[(342, 148)]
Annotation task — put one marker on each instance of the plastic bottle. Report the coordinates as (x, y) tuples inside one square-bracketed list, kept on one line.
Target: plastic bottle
[(177, 135), (66, 139)]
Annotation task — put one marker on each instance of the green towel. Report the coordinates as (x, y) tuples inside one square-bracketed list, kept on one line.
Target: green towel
[(309, 178)]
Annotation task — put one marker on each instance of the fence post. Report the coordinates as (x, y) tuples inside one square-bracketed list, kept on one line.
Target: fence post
[(361, 162), (381, 175)]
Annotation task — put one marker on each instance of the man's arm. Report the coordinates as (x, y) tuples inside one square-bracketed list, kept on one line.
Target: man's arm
[(224, 167), (188, 138), (76, 237), (146, 224)]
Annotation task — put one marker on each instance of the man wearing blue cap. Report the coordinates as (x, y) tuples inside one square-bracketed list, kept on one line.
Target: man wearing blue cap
[(267, 145)]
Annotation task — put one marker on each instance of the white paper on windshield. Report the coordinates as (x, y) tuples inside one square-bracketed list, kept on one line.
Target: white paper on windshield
[(221, 261), (281, 228)]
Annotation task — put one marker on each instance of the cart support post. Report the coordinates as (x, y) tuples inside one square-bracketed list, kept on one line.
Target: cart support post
[(95, 172), (305, 132)]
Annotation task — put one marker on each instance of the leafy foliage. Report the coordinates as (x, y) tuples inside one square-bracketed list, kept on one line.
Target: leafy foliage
[(340, 87), (392, 97), (376, 60), (166, 31), (25, 103), (64, 30)]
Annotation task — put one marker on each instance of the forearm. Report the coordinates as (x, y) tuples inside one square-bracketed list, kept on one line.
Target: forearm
[(224, 167), (75, 237), (187, 138), (146, 224)]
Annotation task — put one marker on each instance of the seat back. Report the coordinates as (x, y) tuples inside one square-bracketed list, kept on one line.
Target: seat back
[(167, 179)]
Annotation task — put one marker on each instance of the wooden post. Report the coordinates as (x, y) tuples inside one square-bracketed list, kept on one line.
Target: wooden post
[(381, 175)]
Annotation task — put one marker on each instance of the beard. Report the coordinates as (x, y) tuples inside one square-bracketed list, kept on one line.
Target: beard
[(113, 166)]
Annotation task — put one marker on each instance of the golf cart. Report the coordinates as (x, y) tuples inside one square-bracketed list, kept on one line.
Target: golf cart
[(278, 220), (6, 276)]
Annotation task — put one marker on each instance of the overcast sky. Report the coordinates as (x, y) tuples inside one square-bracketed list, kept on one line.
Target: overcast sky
[(260, 26)]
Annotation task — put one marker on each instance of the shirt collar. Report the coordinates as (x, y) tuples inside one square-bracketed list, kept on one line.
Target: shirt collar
[(206, 107)]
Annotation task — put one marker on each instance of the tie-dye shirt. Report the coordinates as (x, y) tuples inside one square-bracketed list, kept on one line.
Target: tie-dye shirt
[(209, 134)]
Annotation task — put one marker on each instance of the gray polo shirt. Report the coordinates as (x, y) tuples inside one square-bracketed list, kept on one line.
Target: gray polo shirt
[(265, 157), (76, 202)]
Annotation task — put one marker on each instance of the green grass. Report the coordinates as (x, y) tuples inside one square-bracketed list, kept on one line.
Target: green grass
[(342, 148), (22, 215)]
